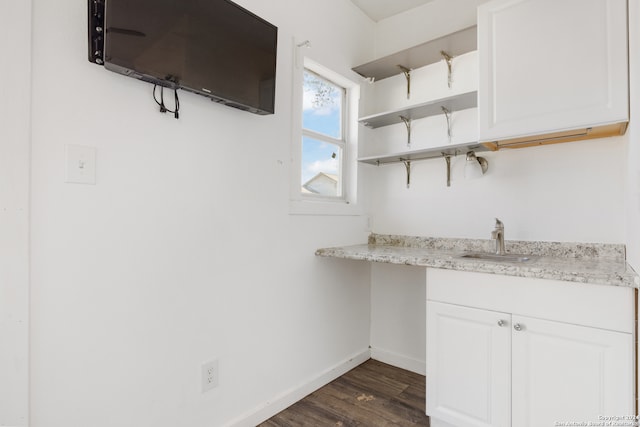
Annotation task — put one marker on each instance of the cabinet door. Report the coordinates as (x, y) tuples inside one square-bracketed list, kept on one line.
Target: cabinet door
[(551, 65), (563, 372), (468, 366)]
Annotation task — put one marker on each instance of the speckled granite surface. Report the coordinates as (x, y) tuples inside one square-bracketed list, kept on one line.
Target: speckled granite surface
[(574, 262)]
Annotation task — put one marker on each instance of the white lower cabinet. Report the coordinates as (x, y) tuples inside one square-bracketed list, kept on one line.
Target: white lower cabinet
[(468, 366), (563, 372), (498, 368)]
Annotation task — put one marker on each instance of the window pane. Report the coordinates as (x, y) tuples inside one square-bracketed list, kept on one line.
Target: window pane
[(322, 106), (320, 168)]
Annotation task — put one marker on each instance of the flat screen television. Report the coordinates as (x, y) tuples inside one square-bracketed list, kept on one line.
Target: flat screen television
[(214, 48)]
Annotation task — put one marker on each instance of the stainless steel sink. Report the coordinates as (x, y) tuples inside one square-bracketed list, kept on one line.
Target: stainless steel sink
[(496, 257)]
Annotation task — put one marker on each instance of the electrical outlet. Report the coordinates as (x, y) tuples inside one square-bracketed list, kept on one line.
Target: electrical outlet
[(209, 375)]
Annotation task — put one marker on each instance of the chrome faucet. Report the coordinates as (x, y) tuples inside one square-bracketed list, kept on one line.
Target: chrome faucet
[(498, 235)]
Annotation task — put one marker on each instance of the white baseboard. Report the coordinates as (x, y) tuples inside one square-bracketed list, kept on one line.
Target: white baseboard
[(434, 422), (399, 360), (268, 409)]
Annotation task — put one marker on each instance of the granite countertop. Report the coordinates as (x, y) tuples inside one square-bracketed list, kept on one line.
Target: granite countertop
[(595, 263)]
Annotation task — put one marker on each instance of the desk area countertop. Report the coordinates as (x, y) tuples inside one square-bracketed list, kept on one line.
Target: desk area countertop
[(595, 263)]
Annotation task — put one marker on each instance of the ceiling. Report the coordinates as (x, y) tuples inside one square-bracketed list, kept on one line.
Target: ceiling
[(381, 9)]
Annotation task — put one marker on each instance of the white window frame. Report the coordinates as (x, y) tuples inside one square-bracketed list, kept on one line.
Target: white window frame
[(340, 141), (313, 204)]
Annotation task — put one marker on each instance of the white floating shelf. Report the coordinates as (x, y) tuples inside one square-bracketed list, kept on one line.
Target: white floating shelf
[(454, 44), (427, 153), (431, 108)]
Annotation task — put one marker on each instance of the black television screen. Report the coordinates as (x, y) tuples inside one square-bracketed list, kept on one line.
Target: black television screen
[(211, 47)]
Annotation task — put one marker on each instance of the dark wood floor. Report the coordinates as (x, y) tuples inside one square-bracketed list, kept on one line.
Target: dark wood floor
[(373, 394)]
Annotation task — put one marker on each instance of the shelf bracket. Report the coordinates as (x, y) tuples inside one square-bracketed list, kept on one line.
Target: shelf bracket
[(407, 74), (447, 158), (449, 60), (447, 114), (407, 123), (407, 165)]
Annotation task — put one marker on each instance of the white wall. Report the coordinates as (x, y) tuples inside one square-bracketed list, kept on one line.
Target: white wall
[(184, 250), (398, 312), (15, 73), (430, 21), (573, 192), (633, 150), (570, 192)]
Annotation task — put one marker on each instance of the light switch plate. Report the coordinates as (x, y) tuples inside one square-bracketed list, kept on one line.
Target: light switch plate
[(80, 164)]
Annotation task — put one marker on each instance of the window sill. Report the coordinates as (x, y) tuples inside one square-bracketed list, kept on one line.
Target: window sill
[(324, 207)]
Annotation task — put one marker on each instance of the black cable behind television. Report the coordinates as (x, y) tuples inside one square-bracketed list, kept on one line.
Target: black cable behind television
[(214, 48)]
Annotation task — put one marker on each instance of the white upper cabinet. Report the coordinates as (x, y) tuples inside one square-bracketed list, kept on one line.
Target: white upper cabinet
[(552, 69)]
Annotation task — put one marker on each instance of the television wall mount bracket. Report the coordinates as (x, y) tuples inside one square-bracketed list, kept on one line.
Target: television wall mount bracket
[(96, 31)]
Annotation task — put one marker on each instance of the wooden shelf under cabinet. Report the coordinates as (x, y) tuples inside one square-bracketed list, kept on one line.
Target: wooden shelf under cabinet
[(615, 129)]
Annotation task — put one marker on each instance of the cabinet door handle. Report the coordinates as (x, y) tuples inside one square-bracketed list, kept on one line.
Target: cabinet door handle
[(517, 327), (501, 323)]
